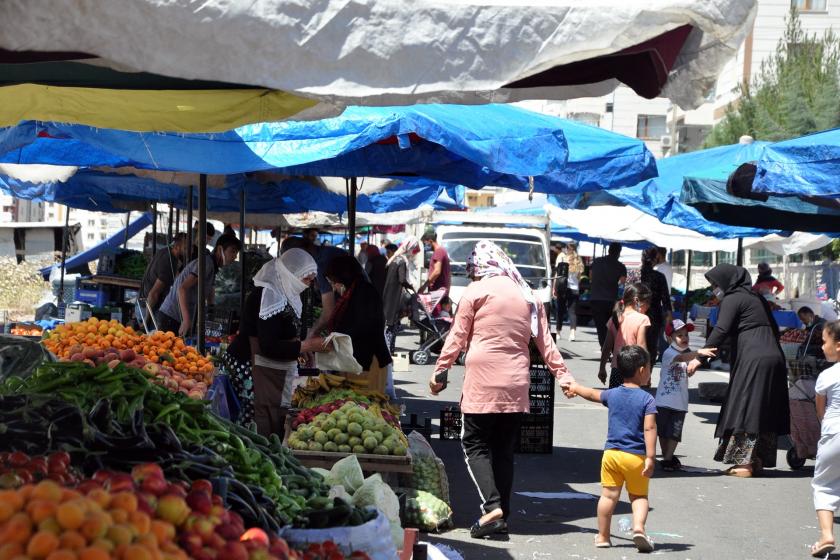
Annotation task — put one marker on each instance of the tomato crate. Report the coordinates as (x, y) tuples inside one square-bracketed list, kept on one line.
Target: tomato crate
[(450, 423), (536, 437)]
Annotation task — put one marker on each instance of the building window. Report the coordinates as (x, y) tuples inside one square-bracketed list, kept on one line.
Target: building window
[(90, 236), (650, 127), (103, 222), (91, 223), (102, 236), (726, 257), (809, 5)]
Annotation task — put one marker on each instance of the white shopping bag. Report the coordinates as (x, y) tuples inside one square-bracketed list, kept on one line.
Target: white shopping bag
[(338, 356)]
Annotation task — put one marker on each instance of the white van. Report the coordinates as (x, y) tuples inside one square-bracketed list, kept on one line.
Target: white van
[(526, 246)]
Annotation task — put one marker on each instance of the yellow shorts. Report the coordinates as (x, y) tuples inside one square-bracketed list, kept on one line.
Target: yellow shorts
[(620, 467)]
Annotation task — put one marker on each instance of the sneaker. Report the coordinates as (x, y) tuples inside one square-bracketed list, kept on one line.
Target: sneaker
[(572, 335)]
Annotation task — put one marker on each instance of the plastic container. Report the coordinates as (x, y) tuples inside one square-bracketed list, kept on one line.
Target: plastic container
[(450, 423)]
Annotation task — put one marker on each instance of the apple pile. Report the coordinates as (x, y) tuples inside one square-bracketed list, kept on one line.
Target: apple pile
[(161, 374)]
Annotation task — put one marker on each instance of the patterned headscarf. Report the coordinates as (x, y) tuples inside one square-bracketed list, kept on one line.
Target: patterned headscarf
[(409, 246), (488, 260)]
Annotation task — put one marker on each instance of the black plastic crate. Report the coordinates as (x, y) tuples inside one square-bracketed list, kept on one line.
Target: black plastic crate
[(542, 381), (425, 429), (450, 423), (536, 437), (541, 405)]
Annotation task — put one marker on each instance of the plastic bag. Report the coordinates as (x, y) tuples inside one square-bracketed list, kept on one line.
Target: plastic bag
[(429, 472), (374, 492), (372, 537), (425, 511), (20, 357), (348, 473), (339, 357)]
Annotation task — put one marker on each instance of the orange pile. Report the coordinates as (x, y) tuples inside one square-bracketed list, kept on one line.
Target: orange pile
[(49, 522), (160, 347)]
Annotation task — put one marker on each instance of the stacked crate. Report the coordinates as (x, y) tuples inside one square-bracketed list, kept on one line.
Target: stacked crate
[(537, 432)]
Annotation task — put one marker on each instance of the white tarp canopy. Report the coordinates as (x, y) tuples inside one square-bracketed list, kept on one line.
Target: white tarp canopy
[(387, 52), (798, 242), (625, 223)]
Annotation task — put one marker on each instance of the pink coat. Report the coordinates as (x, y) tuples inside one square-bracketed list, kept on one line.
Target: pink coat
[(493, 324)]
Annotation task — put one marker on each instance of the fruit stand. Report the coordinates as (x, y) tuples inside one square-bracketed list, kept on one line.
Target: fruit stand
[(338, 416), (111, 452)]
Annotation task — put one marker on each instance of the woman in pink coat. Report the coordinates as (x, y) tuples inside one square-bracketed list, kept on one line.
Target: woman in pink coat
[(497, 318)]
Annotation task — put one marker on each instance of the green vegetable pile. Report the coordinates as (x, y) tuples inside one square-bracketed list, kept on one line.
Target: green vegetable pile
[(131, 264), (424, 511), (426, 476), (124, 396)]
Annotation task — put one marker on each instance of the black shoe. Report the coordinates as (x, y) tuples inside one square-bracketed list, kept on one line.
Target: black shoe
[(478, 531)]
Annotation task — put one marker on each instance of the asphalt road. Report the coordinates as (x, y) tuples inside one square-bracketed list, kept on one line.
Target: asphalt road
[(694, 515)]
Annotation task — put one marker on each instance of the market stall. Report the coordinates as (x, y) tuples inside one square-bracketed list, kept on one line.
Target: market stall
[(120, 411)]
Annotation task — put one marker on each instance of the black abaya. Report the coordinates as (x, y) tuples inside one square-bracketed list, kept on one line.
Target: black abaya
[(757, 396)]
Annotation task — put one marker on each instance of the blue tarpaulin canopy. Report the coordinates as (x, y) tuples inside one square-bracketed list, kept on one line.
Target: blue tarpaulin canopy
[(805, 166), (469, 145), (111, 192), (711, 199), (112, 243), (660, 196)]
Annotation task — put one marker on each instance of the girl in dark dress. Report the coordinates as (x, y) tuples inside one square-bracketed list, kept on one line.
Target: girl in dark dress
[(756, 409), (358, 313), (660, 308)]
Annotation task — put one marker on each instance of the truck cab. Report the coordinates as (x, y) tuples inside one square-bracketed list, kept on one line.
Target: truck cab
[(526, 244)]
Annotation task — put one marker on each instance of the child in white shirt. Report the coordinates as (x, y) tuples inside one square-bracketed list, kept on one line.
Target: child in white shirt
[(672, 393), (826, 482)]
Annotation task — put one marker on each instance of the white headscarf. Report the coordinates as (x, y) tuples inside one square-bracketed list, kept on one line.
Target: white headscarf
[(488, 260), (281, 281), (406, 251)]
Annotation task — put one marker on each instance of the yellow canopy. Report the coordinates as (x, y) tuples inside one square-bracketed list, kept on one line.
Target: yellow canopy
[(155, 110)]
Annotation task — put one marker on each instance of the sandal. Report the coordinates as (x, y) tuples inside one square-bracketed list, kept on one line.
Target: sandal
[(821, 550), (602, 544), (668, 466), (642, 542)]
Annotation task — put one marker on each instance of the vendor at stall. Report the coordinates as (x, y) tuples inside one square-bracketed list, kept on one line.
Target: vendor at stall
[(270, 329), (766, 284), (358, 313), (210, 230), (177, 312), (814, 326), (162, 270)]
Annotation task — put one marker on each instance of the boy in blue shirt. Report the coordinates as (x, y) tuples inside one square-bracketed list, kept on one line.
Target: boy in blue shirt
[(631, 444)]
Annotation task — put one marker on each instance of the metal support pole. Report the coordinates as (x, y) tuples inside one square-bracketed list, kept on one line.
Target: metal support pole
[(351, 215), (688, 257), (64, 239), (242, 281), (739, 257), (190, 239), (177, 221), (202, 262), (154, 228), (169, 228), (127, 222)]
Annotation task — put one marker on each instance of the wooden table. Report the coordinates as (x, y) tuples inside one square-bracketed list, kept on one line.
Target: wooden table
[(120, 281)]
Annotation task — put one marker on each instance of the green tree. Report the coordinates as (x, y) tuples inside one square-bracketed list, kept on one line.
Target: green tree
[(796, 91)]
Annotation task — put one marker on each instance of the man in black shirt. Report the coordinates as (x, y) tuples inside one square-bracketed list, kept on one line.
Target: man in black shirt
[(161, 271)]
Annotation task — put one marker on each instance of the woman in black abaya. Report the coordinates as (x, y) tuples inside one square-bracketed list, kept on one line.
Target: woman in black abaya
[(756, 409)]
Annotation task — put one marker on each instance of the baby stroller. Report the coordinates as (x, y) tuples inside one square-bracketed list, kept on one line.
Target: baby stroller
[(433, 330), (804, 424)]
